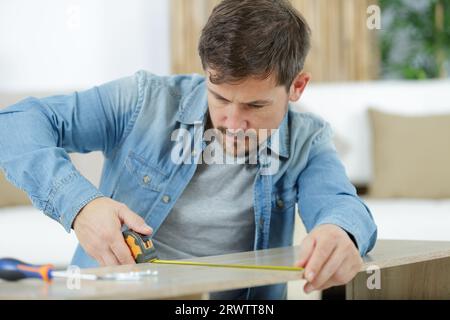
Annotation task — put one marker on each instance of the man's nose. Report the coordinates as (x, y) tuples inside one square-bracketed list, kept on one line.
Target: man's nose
[(236, 120)]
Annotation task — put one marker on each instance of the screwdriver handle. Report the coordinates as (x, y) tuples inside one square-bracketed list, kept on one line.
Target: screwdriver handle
[(14, 270)]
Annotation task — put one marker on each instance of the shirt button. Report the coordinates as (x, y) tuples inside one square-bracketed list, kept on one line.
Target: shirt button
[(166, 199), (146, 179), (193, 153), (280, 203)]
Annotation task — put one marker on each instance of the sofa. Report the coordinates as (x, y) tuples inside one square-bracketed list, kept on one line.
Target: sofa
[(345, 106)]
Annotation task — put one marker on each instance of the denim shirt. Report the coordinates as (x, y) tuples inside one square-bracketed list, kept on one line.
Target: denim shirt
[(132, 121)]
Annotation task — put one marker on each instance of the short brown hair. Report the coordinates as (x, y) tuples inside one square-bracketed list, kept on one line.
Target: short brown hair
[(245, 38)]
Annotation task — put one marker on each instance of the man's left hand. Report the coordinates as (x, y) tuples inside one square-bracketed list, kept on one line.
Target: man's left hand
[(330, 258)]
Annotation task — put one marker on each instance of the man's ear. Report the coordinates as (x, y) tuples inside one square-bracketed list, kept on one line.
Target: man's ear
[(298, 86)]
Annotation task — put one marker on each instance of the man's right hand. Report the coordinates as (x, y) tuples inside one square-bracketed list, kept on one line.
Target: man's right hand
[(98, 228)]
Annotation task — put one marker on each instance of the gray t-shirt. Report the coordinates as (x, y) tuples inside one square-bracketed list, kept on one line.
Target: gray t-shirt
[(213, 216)]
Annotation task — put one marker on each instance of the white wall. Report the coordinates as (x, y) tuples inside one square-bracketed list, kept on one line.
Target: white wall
[(61, 45), (50, 45)]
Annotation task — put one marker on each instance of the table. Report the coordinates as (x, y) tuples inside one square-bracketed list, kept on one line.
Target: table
[(171, 281), (405, 270)]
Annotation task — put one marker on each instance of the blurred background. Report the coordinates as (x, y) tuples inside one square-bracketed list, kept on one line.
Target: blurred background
[(380, 71)]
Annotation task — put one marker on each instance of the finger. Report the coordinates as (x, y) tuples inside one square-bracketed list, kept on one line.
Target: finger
[(306, 250), (320, 255), (100, 261), (351, 266), (331, 282), (331, 266), (109, 259), (308, 288), (134, 221), (121, 251), (94, 253), (344, 274)]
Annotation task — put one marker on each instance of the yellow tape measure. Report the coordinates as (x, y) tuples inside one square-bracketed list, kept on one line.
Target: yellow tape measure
[(143, 251), (227, 265)]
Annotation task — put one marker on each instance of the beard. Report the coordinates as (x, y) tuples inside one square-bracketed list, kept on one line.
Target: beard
[(237, 143)]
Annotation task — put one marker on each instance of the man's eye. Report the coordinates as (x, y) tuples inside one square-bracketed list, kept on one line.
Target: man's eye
[(256, 106)]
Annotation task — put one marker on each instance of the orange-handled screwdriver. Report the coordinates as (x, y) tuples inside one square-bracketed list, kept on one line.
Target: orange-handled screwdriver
[(14, 270)]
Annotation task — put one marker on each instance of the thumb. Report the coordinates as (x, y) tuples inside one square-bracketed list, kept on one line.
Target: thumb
[(134, 221)]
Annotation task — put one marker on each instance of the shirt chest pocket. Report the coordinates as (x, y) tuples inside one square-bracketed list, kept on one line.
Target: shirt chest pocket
[(284, 200), (145, 175), (283, 215), (140, 184)]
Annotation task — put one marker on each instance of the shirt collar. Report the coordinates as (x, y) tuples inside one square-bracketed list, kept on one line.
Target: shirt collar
[(283, 148), (194, 106)]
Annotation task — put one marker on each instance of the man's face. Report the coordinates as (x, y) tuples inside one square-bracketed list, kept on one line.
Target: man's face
[(243, 108), (250, 106)]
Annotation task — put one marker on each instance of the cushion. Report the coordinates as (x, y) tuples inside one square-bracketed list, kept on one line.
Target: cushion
[(411, 155), (344, 105), (10, 195)]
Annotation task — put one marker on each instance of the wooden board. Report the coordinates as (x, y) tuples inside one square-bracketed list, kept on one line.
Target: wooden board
[(407, 270), (172, 281), (393, 253), (185, 281)]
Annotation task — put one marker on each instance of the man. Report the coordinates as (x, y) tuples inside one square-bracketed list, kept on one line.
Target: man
[(253, 54)]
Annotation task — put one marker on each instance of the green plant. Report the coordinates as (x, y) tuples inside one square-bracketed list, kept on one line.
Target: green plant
[(415, 38)]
